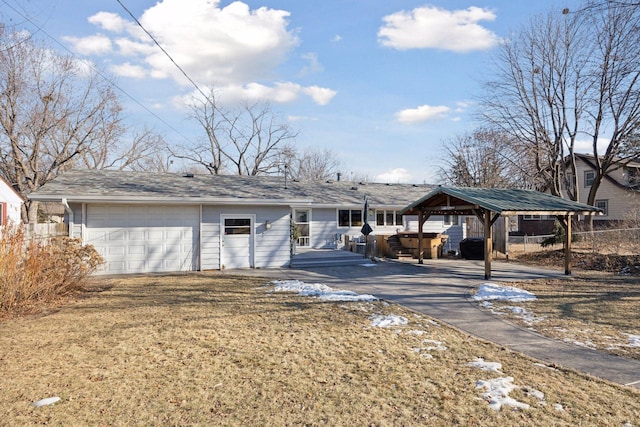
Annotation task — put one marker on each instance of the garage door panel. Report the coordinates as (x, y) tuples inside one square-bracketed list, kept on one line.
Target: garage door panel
[(140, 239)]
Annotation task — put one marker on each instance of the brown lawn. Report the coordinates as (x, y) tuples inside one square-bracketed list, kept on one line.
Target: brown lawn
[(223, 350)]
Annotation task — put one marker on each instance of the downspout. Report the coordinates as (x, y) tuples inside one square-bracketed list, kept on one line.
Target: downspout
[(69, 212)]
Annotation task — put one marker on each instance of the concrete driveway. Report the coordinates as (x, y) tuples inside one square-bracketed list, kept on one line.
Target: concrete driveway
[(442, 289)]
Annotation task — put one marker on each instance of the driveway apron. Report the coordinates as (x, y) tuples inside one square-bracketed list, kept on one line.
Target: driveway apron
[(442, 289)]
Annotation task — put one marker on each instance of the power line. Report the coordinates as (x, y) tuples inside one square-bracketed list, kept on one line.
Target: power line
[(99, 72), (162, 49)]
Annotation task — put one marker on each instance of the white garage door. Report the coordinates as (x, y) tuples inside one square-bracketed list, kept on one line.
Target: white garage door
[(142, 239), (237, 241)]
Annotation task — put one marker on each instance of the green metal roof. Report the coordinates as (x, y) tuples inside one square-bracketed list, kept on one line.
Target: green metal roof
[(505, 201)]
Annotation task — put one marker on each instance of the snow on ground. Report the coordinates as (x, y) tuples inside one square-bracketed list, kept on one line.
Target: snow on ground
[(480, 363), (492, 292), (634, 340), (497, 393), (498, 389), (319, 290), (382, 321)]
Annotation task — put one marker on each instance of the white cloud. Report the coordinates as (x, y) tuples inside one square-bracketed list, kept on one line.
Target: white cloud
[(313, 65), (278, 93), (321, 95), (109, 21), (92, 45), (217, 45), (422, 114), (433, 27), (394, 176), (585, 146), (336, 38), (233, 47), (129, 70)]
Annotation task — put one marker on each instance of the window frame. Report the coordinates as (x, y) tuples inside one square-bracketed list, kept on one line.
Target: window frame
[(398, 220), (350, 213), (588, 182), (450, 220), (605, 202)]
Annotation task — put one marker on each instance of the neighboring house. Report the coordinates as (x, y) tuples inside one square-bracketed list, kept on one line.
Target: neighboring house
[(10, 204), (619, 192), (145, 222)]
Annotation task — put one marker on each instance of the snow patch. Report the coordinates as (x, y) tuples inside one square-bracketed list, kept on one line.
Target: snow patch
[(494, 292), (387, 321), (320, 291), (480, 363), (497, 393)]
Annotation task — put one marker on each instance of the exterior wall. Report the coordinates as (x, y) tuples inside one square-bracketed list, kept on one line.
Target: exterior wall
[(272, 248), (619, 200), (11, 204), (324, 228)]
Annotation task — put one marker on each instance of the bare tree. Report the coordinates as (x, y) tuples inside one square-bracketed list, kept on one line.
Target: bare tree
[(51, 109), (568, 76), (538, 95), (482, 159), (145, 151), (312, 164), (244, 141)]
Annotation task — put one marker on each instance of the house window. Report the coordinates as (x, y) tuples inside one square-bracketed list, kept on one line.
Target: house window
[(349, 217), (301, 219), (388, 218), (537, 217), (450, 219), (604, 205), (237, 226), (589, 176)]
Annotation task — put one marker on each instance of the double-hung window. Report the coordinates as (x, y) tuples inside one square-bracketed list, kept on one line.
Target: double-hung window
[(388, 218)]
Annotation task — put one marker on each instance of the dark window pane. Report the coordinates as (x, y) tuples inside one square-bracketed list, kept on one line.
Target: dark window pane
[(237, 222), (343, 218), (398, 219), (390, 218), (379, 217), (356, 218)]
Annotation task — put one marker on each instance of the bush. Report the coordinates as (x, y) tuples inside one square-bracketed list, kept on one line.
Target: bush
[(558, 236), (32, 271)]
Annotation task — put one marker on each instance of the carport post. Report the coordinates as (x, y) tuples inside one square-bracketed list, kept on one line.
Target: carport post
[(488, 244), (420, 224), (567, 245)]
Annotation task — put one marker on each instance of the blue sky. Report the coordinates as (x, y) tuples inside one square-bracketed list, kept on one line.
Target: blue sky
[(383, 84)]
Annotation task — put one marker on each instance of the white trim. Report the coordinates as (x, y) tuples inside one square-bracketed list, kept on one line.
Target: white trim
[(83, 224), (199, 259)]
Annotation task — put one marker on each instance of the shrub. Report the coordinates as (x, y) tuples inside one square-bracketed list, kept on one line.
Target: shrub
[(33, 271)]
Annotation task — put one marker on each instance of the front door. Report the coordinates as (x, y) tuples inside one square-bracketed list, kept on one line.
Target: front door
[(236, 241)]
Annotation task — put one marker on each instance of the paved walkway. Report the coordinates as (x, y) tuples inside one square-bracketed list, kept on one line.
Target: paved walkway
[(441, 289)]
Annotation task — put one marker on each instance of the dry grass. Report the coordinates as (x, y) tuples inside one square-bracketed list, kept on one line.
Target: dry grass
[(221, 350), (595, 309)]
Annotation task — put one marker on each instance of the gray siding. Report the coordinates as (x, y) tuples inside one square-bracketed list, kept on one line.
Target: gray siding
[(272, 247), (324, 227)]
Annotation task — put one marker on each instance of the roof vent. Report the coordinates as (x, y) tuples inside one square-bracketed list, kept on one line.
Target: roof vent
[(354, 188), (188, 175)]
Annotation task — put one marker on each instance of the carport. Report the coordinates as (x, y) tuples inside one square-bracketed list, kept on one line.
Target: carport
[(488, 204)]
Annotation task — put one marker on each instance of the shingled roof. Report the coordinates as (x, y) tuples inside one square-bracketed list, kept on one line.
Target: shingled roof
[(122, 186)]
